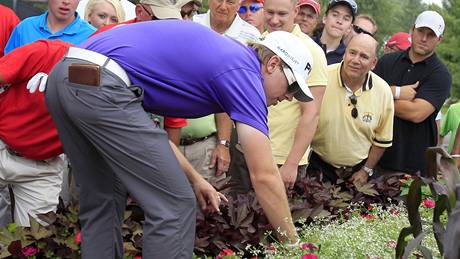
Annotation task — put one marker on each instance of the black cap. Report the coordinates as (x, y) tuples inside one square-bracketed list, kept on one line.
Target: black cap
[(350, 3)]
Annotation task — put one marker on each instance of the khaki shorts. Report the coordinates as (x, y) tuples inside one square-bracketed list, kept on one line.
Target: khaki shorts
[(36, 184)]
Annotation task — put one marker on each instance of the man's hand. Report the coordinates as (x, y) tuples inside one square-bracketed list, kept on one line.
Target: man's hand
[(408, 92), (38, 81), (359, 177), (208, 198), (221, 157), (289, 174)]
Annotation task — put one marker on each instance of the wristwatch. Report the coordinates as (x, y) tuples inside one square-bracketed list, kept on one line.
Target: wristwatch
[(368, 170), (224, 142)]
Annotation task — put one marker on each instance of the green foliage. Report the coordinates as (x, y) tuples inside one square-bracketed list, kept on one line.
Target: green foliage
[(446, 200), (451, 43)]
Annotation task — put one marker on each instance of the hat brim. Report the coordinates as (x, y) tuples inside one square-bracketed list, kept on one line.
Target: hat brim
[(429, 26), (304, 95), (312, 6), (166, 12)]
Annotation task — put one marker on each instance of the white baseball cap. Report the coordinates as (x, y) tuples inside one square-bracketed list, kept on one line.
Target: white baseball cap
[(296, 55), (432, 20)]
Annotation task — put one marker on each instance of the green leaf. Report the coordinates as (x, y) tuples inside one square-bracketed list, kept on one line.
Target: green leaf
[(425, 252), (37, 231), (12, 227), (439, 231), (414, 198), (402, 243), (413, 244), (366, 189)]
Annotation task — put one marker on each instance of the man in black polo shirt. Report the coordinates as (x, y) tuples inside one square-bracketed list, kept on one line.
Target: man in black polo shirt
[(420, 83)]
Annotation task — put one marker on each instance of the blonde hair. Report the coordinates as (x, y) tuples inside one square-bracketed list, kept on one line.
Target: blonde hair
[(263, 53), (115, 3)]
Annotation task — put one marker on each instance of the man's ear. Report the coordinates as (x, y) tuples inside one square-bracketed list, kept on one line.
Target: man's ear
[(138, 11), (273, 64)]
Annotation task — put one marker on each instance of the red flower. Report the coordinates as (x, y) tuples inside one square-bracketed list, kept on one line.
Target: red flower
[(137, 257), (429, 203), (226, 252), (309, 256), (368, 216), (29, 251), (78, 238), (308, 246), (394, 212)]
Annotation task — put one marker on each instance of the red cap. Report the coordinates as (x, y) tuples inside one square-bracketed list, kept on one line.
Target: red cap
[(402, 40), (315, 5)]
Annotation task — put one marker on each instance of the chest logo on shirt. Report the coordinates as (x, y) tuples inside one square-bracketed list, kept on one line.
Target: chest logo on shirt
[(367, 117)]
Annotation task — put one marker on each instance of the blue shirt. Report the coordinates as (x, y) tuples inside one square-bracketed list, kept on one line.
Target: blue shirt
[(333, 56), (35, 28), (187, 70)]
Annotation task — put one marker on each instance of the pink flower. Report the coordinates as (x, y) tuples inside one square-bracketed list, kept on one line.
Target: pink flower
[(137, 257), (77, 238), (308, 246), (226, 252), (392, 244), (29, 251), (309, 256), (429, 203), (271, 249)]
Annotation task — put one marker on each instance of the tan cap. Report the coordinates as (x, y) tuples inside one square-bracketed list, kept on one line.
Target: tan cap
[(163, 9)]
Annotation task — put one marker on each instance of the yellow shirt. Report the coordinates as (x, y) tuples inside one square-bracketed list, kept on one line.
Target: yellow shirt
[(342, 140), (284, 117)]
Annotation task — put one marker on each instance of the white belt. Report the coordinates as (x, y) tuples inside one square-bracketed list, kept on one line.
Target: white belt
[(100, 60)]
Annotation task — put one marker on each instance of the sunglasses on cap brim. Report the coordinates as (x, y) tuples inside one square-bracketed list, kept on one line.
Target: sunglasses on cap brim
[(360, 30), (252, 7)]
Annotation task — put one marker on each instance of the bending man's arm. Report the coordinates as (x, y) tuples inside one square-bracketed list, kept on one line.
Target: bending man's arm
[(208, 198), (267, 182), (304, 134)]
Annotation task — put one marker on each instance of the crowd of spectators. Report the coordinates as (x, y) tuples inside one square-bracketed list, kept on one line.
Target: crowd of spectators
[(362, 116)]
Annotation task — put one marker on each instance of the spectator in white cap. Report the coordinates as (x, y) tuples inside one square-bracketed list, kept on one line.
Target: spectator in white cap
[(420, 83)]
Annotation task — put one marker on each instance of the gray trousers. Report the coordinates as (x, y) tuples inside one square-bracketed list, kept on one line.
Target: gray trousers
[(115, 148)]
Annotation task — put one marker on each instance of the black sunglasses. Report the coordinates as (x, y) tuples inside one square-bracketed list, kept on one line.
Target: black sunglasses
[(148, 13), (354, 101), (252, 7), (360, 30)]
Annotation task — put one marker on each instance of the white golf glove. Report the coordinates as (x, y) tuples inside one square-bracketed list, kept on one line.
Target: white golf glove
[(38, 81)]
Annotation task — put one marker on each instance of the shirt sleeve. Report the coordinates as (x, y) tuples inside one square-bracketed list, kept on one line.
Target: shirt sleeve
[(240, 93), (176, 123), (384, 133), (446, 123), (13, 41), (436, 87), (24, 62)]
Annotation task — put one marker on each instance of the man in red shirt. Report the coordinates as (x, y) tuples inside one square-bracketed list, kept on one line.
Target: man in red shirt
[(30, 149), (8, 20)]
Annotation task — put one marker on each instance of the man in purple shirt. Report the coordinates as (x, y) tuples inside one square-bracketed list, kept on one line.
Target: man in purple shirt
[(97, 96)]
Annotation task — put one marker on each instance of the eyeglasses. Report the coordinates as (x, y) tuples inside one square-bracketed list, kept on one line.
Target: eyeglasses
[(148, 13), (360, 30), (252, 7), (354, 101)]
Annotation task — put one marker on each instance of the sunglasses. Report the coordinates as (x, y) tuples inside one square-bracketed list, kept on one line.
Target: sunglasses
[(354, 101), (293, 86), (360, 30), (189, 14), (148, 13), (252, 7)]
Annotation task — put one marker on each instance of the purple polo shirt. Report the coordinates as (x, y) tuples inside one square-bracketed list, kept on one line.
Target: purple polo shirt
[(187, 70)]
